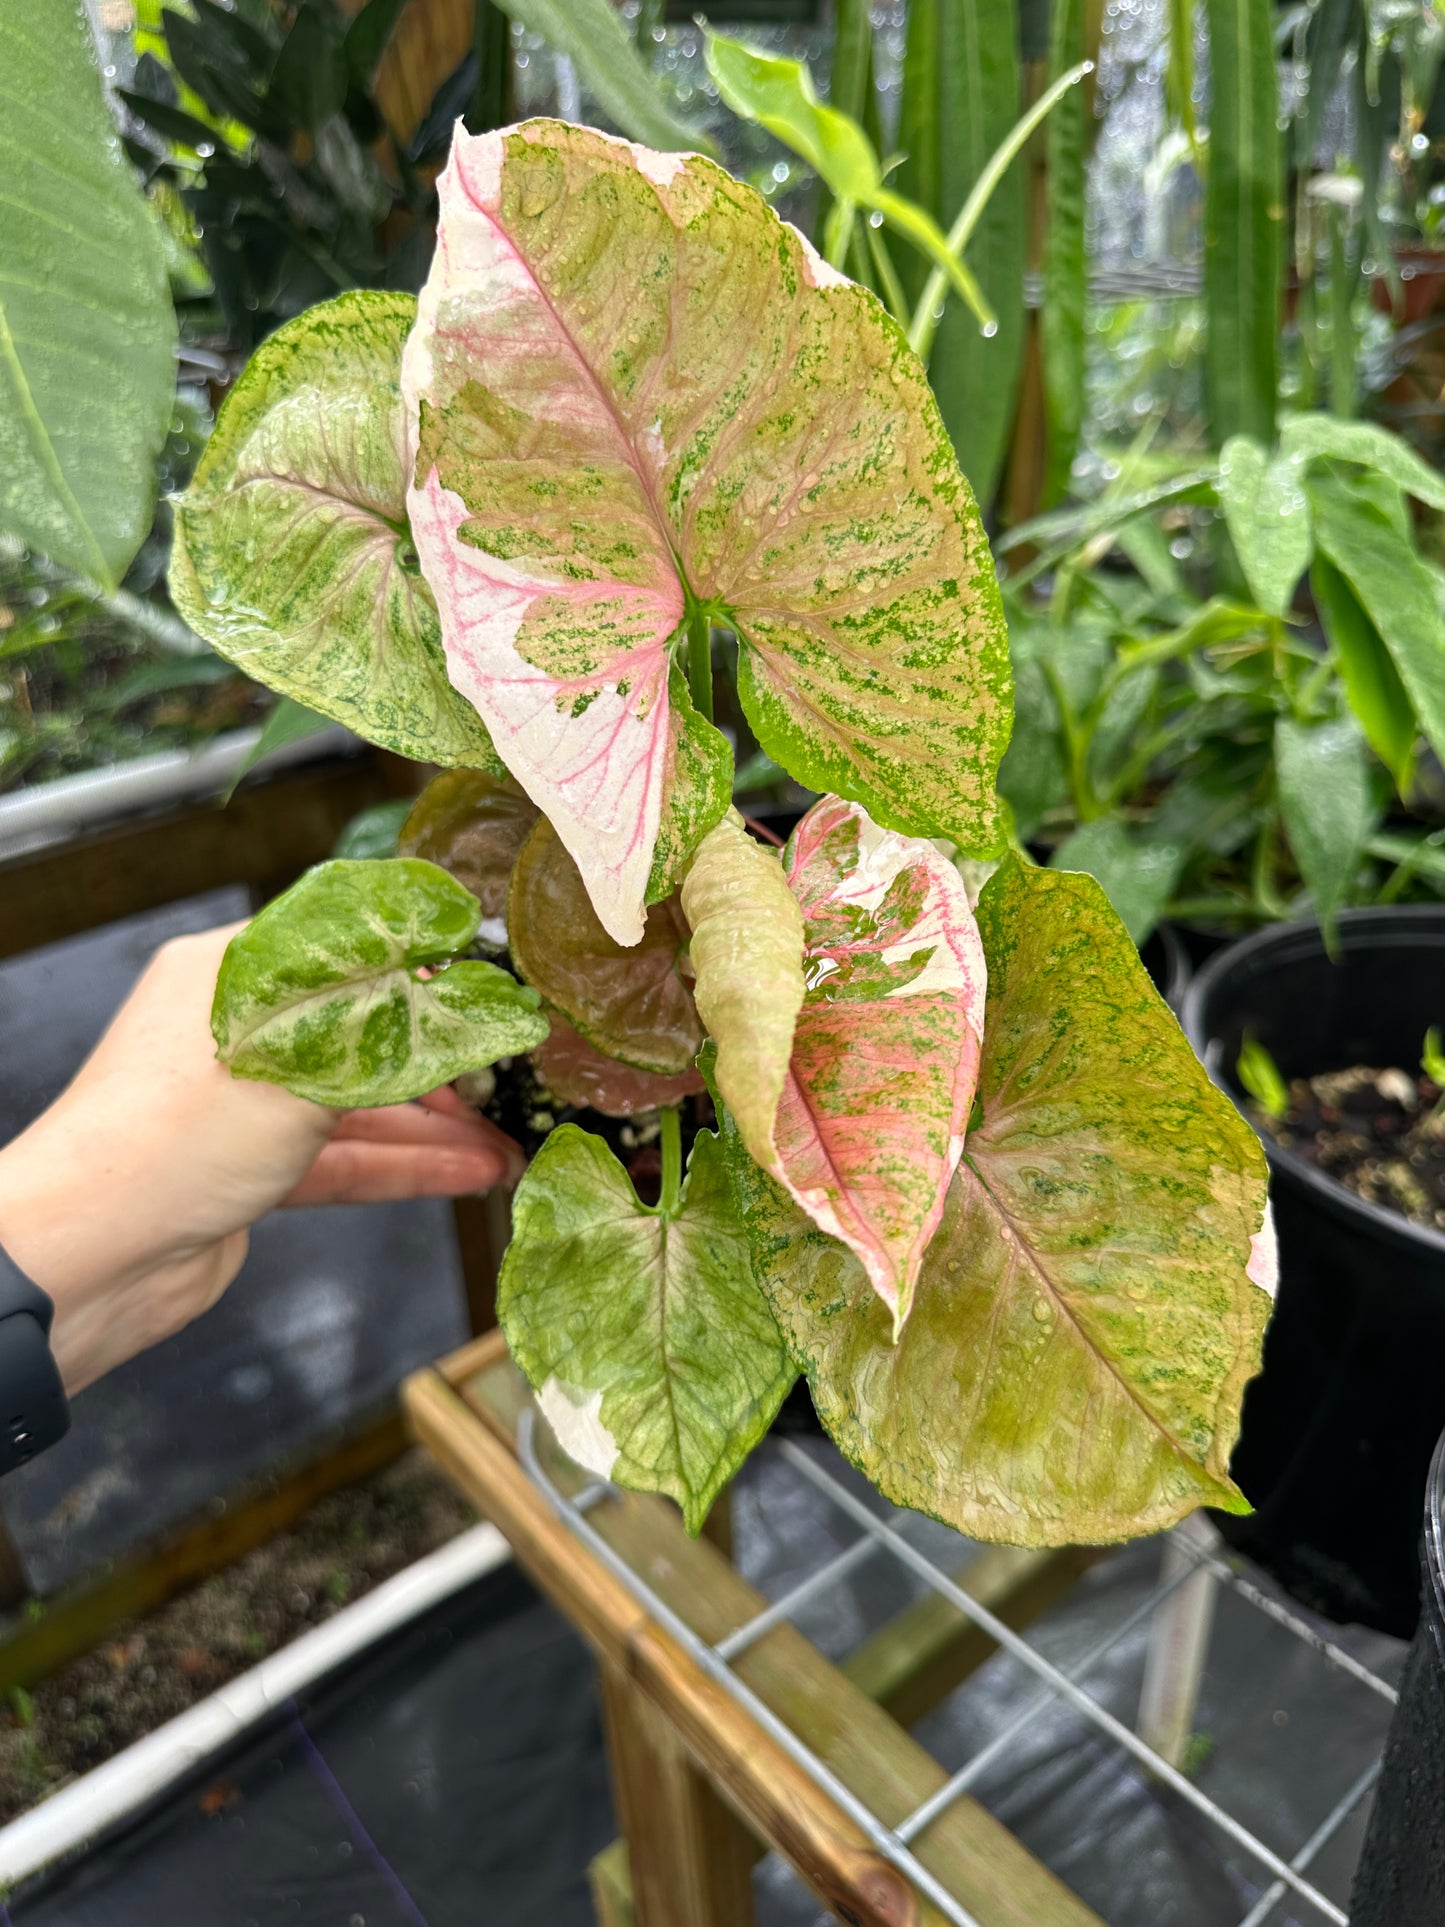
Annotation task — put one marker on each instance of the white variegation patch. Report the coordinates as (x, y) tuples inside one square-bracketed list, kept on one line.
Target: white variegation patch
[(576, 1418)]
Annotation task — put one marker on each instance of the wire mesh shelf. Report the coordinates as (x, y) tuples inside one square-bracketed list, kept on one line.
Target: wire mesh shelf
[(1191, 1555)]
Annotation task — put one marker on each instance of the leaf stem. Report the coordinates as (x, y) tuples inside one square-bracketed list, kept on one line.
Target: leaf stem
[(699, 661), (671, 1161)]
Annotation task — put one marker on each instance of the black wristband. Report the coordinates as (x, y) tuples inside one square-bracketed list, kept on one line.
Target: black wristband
[(33, 1408)]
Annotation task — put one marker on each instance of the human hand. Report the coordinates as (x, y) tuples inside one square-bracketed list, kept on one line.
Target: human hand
[(129, 1201)]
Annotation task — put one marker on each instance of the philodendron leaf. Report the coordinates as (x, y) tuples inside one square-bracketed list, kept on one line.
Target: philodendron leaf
[(1138, 876), (1372, 682), (634, 385), (651, 1348), (474, 826), (747, 954), (885, 1055), (575, 1072), (292, 554), (344, 991), (1267, 513), (87, 332), (1086, 1320), (1308, 437), (634, 1004)]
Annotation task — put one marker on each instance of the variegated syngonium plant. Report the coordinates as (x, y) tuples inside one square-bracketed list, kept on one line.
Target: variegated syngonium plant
[(967, 1174)]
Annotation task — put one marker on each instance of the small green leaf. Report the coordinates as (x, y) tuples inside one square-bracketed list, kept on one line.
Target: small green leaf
[(1432, 1057), (1267, 512), (372, 833), (1372, 683), (1088, 1316), (1062, 337), (1138, 877), (592, 37), (87, 333), (324, 992), (747, 952), (651, 1348), (1324, 798), (630, 1002), (778, 94), (288, 722), (1396, 591), (292, 554), (1260, 1076)]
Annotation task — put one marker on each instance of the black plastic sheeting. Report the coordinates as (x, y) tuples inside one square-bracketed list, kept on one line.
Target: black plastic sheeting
[(332, 1308), (457, 1776), (453, 1777)]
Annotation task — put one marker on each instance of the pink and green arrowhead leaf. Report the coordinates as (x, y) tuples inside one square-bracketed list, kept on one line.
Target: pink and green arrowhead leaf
[(1090, 1309), (885, 1055), (635, 392)]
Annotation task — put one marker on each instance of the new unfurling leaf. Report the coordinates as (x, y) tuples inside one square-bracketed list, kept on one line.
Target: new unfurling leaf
[(344, 990)]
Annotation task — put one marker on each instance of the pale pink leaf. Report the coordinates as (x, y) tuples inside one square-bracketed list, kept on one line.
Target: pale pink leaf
[(870, 1125)]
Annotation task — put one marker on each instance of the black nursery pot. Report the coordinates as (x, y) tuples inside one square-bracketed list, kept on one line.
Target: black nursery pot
[(1339, 1427), (1400, 1881)]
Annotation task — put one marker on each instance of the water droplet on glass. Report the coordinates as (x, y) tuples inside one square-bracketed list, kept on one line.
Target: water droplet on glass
[(875, 219), (205, 150), (989, 330), (1419, 144), (781, 170)]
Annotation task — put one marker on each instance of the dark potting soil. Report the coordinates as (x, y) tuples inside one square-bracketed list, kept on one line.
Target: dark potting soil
[(149, 1670), (1380, 1133)]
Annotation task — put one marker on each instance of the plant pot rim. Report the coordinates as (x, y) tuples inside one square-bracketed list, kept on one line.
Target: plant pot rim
[(1287, 942)]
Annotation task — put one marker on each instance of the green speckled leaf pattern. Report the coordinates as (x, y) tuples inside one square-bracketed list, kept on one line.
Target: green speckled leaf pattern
[(292, 554), (1091, 1308), (344, 991), (747, 952), (634, 1004), (645, 1336), (635, 387)]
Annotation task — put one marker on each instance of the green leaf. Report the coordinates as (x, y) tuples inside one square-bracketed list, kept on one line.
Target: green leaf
[(631, 1003), (1372, 683), (1085, 1323), (367, 36), (651, 1349), (292, 554), (474, 826), (288, 722), (1260, 1076), (778, 94), (1062, 318), (747, 953), (1267, 512), (1138, 877), (87, 334), (594, 39), (372, 833), (324, 991), (1324, 798), (1244, 211), (734, 432), (309, 81), (961, 96), (1396, 591), (1313, 437)]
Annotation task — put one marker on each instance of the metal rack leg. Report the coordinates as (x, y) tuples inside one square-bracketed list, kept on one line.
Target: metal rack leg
[(1178, 1646), (690, 1858)]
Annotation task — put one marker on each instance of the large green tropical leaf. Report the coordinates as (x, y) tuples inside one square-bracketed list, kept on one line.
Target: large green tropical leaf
[(961, 97), (87, 334), (1309, 437), (344, 989), (642, 398), (1395, 589), (292, 553), (651, 1349), (1087, 1315), (1372, 682), (1244, 221), (1267, 512), (1324, 798)]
